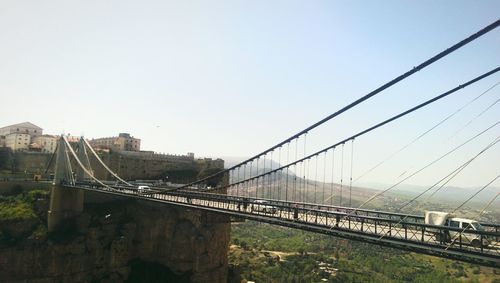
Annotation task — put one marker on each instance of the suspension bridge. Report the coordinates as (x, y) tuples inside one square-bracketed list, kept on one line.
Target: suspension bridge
[(301, 192)]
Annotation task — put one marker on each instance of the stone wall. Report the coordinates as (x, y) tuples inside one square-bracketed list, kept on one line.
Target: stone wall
[(133, 167), (33, 162), (128, 165), (101, 244)]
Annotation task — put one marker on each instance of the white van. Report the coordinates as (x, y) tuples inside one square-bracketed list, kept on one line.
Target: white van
[(263, 206), (449, 220), (143, 189), (466, 225)]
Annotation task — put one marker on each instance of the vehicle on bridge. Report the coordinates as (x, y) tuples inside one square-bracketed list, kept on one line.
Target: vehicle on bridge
[(144, 189), (467, 227), (263, 206)]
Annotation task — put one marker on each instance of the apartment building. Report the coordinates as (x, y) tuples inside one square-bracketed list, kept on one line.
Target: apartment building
[(17, 141), (47, 143)]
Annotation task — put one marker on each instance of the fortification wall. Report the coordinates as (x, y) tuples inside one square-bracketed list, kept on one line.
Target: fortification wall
[(136, 167), (128, 165)]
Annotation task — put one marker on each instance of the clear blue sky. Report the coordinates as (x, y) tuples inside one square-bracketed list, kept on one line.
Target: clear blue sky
[(231, 78)]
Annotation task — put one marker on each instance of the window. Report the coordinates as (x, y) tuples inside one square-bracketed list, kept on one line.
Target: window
[(477, 226), (467, 226), (454, 224)]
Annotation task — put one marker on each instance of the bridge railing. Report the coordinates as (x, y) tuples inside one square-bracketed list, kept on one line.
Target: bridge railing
[(375, 223), (407, 218), (348, 210), (369, 226), (362, 220)]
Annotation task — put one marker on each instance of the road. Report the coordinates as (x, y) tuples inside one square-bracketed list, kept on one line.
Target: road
[(381, 229)]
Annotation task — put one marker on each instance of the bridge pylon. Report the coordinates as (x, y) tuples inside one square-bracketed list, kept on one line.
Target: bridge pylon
[(64, 203), (82, 155)]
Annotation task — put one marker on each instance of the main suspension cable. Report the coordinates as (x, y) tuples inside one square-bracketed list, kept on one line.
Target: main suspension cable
[(396, 117), (412, 71)]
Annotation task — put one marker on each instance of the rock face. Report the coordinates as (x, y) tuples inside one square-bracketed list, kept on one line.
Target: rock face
[(100, 244)]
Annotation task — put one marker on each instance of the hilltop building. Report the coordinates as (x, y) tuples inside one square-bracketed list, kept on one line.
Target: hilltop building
[(17, 141), (22, 128), (46, 143), (18, 137), (123, 142)]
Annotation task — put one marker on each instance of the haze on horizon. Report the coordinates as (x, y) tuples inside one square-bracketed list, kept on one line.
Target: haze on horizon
[(232, 78)]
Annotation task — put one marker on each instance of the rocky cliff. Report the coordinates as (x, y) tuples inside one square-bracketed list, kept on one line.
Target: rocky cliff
[(117, 240)]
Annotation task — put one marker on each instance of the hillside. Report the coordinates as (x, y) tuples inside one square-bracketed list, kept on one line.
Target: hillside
[(266, 253)]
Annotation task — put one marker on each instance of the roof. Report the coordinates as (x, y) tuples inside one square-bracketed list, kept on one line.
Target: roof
[(462, 219), (25, 125)]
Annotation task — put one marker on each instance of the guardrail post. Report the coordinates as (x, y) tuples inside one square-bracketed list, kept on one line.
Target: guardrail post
[(460, 239), (390, 229), (423, 232), (481, 243)]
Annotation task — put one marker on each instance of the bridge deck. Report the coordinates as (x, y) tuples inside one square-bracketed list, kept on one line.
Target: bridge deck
[(395, 230)]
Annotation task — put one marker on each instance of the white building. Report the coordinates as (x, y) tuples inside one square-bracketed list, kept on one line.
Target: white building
[(47, 143), (22, 128), (17, 141)]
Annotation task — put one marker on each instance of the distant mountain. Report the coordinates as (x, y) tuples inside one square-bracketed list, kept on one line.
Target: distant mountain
[(447, 193), (231, 161)]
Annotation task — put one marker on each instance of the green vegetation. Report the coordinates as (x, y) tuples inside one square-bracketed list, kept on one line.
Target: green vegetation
[(16, 210), (20, 207), (19, 218), (266, 253)]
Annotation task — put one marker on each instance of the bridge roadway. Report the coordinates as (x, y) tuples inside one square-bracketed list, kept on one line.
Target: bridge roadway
[(396, 230)]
